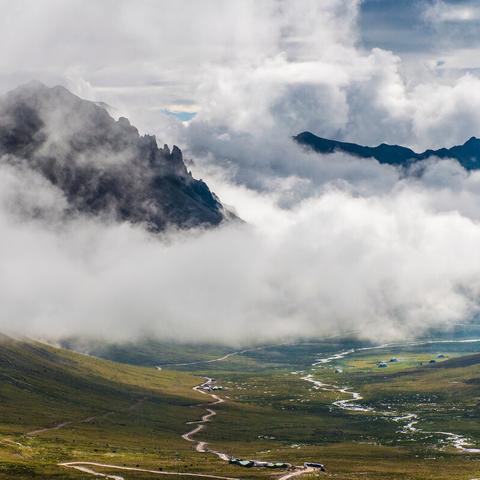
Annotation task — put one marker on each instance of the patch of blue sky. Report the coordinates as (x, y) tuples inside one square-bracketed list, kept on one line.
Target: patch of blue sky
[(179, 115)]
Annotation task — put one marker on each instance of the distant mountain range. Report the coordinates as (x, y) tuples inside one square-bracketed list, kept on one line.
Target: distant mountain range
[(103, 166), (468, 154)]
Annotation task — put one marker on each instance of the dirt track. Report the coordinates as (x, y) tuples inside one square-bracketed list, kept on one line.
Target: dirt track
[(200, 446)]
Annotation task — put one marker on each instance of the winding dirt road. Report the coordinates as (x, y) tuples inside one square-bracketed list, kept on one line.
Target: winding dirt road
[(298, 472), (58, 426), (222, 358), (84, 467), (200, 446)]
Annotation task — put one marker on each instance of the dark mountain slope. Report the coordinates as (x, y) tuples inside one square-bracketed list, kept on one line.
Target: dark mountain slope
[(102, 166), (468, 154), (392, 154)]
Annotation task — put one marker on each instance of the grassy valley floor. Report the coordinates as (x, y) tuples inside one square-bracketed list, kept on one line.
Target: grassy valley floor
[(58, 406)]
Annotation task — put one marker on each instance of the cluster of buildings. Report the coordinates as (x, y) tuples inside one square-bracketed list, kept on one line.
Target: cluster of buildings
[(384, 363), (256, 463), (211, 388), (273, 465)]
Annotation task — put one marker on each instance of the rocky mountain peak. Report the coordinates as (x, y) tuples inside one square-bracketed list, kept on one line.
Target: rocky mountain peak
[(102, 165)]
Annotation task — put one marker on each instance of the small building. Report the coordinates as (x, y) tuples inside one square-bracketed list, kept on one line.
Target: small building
[(321, 466), (241, 463), (441, 355), (394, 360), (278, 465), (382, 365)]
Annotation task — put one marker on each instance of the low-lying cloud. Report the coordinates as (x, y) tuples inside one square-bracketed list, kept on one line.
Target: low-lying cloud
[(387, 266)]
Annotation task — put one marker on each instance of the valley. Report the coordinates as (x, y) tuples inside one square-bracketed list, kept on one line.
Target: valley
[(68, 415)]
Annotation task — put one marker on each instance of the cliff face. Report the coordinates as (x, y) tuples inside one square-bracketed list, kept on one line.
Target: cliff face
[(102, 166)]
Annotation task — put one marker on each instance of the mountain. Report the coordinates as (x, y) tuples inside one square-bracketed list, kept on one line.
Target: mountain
[(468, 154), (101, 165)]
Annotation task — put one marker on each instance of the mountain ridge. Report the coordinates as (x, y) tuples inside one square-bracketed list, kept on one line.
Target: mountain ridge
[(468, 154), (101, 165)]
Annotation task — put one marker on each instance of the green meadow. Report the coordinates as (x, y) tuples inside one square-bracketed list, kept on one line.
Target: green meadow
[(126, 415)]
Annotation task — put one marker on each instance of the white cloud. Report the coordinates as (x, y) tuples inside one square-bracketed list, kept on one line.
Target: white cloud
[(389, 266), (243, 65), (441, 11)]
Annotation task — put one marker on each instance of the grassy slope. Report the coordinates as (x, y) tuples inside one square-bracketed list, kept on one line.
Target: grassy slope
[(41, 386)]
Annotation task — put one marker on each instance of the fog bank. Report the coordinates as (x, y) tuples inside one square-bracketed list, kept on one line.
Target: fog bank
[(389, 266)]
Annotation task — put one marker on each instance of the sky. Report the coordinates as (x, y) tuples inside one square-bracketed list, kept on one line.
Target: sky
[(330, 243), (394, 60), (426, 30)]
